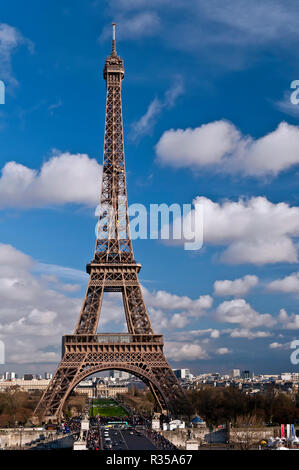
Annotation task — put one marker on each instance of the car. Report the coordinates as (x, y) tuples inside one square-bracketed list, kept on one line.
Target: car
[(51, 427)]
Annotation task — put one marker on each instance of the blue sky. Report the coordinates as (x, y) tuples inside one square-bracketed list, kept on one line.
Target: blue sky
[(207, 114)]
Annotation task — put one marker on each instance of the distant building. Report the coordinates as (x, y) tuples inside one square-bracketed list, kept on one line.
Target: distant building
[(286, 376), (234, 373), (97, 389), (246, 374), (269, 378), (28, 377), (119, 374), (25, 385), (10, 376), (110, 391), (197, 422), (86, 387), (182, 373), (175, 424)]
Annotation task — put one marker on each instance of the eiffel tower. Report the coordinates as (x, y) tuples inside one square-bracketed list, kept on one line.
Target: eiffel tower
[(113, 269)]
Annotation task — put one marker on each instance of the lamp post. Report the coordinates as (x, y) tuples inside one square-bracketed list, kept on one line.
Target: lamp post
[(20, 431)]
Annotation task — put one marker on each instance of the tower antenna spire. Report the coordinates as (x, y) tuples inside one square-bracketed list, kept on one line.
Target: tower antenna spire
[(113, 39)]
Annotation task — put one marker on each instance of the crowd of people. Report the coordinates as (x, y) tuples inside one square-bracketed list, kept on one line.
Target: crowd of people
[(158, 440), (94, 438), (73, 424)]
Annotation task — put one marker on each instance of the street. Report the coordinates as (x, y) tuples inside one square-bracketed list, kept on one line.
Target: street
[(125, 439)]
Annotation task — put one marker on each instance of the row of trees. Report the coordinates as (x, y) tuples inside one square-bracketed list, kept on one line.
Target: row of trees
[(226, 405), (215, 405), (142, 401), (17, 406), (221, 405)]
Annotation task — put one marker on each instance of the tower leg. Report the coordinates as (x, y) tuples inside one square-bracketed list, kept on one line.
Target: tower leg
[(152, 369)]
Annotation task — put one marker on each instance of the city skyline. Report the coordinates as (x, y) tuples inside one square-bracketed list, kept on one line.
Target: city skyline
[(209, 121)]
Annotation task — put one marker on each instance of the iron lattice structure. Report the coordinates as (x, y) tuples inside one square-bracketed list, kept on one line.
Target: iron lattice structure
[(113, 269)]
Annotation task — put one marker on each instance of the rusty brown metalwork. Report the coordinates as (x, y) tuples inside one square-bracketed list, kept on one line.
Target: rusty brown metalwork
[(113, 269)]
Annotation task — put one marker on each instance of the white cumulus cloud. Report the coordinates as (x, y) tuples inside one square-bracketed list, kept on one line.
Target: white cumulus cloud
[(249, 334), (167, 301), (289, 322), (223, 351), (235, 288), (288, 284), (63, 179), (275, 345), (254, 230), (183, 351), (239, 311), (220, 146)]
